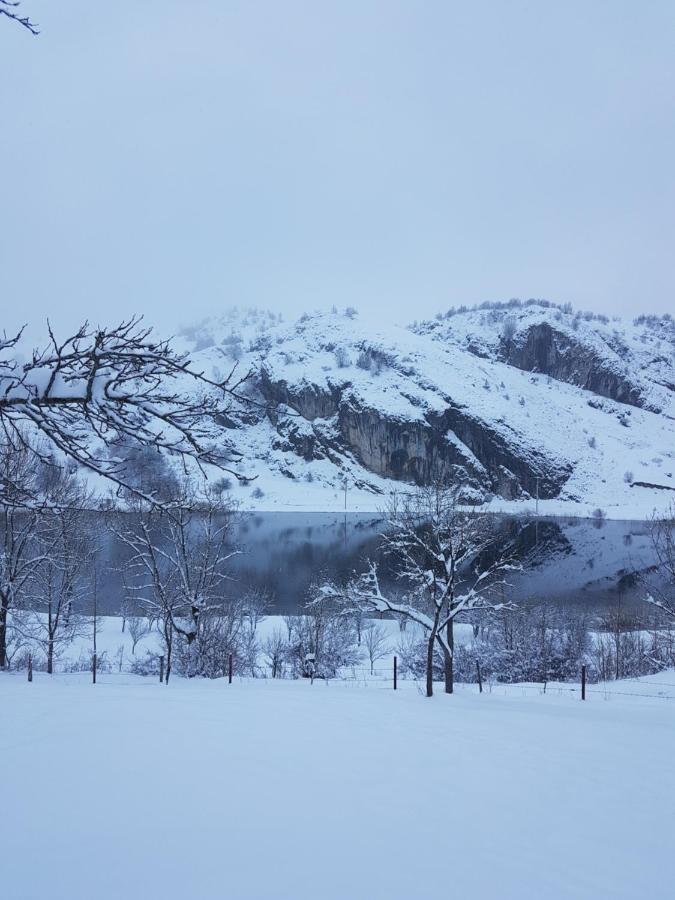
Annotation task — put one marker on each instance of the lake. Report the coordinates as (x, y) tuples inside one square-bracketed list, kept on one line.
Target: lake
[(581, 562)]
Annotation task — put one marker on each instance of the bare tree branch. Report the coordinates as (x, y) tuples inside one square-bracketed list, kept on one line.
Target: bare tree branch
[(9, 8), (102, 387)]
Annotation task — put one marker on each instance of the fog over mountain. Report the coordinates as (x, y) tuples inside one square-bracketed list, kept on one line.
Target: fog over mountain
[(176, 159)]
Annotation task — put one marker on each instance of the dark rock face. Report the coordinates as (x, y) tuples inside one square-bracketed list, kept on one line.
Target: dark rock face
[(513, 469), (544, 349), (309, 400), (409, 451), (453, 445)]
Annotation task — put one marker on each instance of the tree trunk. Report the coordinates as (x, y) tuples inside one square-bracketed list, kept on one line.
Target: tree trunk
[(430, 663), (50, 657), (4, 606), (448, 658)]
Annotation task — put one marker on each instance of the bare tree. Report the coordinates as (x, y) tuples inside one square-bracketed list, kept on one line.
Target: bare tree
[(105, 386), (10, 8), (323, 640), (376, 642), (20, 478), (661, 593), (58, 585), (446, 558), (178, 574), (275, 651), (138, 628)]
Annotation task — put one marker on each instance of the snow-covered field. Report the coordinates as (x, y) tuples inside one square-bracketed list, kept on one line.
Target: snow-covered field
[(262, 789)]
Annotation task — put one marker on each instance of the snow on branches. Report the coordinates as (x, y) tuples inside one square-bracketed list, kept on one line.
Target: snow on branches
[(104, 386), (445, 556)]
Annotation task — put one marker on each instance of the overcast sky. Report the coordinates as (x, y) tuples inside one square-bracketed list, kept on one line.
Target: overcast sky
[(173, 158)]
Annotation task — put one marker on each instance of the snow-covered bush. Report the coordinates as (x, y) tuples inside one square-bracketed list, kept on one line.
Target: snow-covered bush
[(233, 346), (275, 652), (509, 328), (364, 360), (342, 358)]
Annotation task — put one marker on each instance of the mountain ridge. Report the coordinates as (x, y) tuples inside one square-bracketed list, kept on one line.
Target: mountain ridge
[(513, 401)]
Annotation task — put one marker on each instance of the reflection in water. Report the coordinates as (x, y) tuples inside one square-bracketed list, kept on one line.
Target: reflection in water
[(571, 561)]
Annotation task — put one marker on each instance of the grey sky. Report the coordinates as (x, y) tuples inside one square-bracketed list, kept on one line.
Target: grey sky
[(173, 158)]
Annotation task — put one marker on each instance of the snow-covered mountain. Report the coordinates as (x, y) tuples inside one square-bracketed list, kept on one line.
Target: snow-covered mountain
[(512, 400)]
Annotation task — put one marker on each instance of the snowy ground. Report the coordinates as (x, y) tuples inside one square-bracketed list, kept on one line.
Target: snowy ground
[(129, 789)]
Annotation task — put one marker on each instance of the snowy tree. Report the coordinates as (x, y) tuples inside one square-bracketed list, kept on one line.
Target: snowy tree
[(323, 640), (105, 386), (446, 558), (20, 479), (376, 643), (661, 594), (275, 651), (58, 585), (138, 628), (178, 573)]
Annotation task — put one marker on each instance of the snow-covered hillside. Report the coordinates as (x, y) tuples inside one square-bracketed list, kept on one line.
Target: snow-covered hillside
[(512, 400)]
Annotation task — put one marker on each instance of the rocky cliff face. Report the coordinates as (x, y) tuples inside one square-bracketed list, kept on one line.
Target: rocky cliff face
[(509, 404), (543, 348)]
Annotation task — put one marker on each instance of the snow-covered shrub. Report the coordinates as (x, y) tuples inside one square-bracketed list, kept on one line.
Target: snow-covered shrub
[(262, 344), (322, 641), (628, 477), (592, 442), (145, 665), (85, 663), (364, 360), (342, 358), (275, 652), (528, 644), (221, 485), (351, 312), (258, 493), (509, 328)]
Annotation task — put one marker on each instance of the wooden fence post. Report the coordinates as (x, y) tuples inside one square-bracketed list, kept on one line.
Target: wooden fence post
[(395, 673), (30, 666), (480, 679), (161, 668), (229, 669), (583, 682)]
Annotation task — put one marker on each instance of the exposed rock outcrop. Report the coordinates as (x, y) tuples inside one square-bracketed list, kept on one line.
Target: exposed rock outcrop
[(542, 348)]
